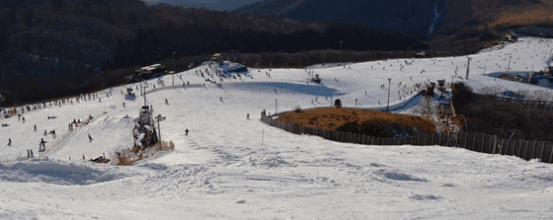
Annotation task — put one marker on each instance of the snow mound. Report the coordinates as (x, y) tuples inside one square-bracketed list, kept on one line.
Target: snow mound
[(180, 178), (53, 172), (399, 176), (424, 197), (268, 161)]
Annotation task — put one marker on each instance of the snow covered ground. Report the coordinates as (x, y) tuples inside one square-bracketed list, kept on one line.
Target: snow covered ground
[(221, 170)]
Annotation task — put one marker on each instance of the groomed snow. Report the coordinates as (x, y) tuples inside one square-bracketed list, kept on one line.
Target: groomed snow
[(222, 171)]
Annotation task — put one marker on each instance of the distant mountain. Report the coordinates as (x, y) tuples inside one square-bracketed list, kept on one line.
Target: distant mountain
[(218, 5), (412, 17), (420, 18)]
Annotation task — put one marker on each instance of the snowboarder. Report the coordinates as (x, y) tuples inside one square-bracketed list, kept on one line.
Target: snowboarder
[(186, 132), (124, 105), (34, 129), (32, 154), (89, 138), (166, 102), (23, 119), (248, 116), (45, 133)]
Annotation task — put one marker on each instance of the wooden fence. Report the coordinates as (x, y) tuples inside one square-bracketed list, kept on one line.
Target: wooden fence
[(545, 105), (478, 142)]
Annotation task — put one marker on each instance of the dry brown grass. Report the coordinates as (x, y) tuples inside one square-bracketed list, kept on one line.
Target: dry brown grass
[(129, 157), (529, 15), (329, 118)]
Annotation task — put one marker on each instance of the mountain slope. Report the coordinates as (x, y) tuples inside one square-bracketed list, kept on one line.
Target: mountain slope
[(415, 18), (407, 16)]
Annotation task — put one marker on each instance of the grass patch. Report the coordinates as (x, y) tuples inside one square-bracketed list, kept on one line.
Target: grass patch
[(368, 122)]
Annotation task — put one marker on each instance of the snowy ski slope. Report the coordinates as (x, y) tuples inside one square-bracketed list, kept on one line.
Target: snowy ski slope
[(221, 170)]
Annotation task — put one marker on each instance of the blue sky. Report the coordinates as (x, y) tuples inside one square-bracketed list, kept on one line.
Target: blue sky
[(210, 4)]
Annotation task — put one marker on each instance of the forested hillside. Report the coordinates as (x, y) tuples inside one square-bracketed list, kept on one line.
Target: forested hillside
[(61, 47)]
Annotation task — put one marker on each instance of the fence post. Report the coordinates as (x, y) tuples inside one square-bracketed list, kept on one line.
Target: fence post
[(542, 150), (526, 150), (519, 148), (457, 139), (533, 149), (502, 146), (483, 141), (474, 142), (493, 144), (447, 144), (466, 137), (551, 157)]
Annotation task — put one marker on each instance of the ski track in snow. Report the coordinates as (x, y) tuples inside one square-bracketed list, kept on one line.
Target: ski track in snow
[(222, 171)]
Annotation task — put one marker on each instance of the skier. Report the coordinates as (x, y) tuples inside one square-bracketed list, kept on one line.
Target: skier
[(89, 138), (45, 133), (166, 102), (34, 128), (9, 142), (23, 119), (42, 145), (248, 116), (186, 132)]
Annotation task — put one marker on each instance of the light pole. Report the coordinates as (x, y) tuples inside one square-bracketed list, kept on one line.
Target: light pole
[(468, 66), (341, 52), (2, 98), (509, 65), (159, 118), (174, 67), (389, 85), (276, 102)]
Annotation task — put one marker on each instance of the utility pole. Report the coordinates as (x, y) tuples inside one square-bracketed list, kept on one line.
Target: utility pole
[(468, 67), (509, 66), (174, 67), (159, 118), (143, 89), (159, 128), (276, 105), (341, 52), (1, 100), (389, 85)]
